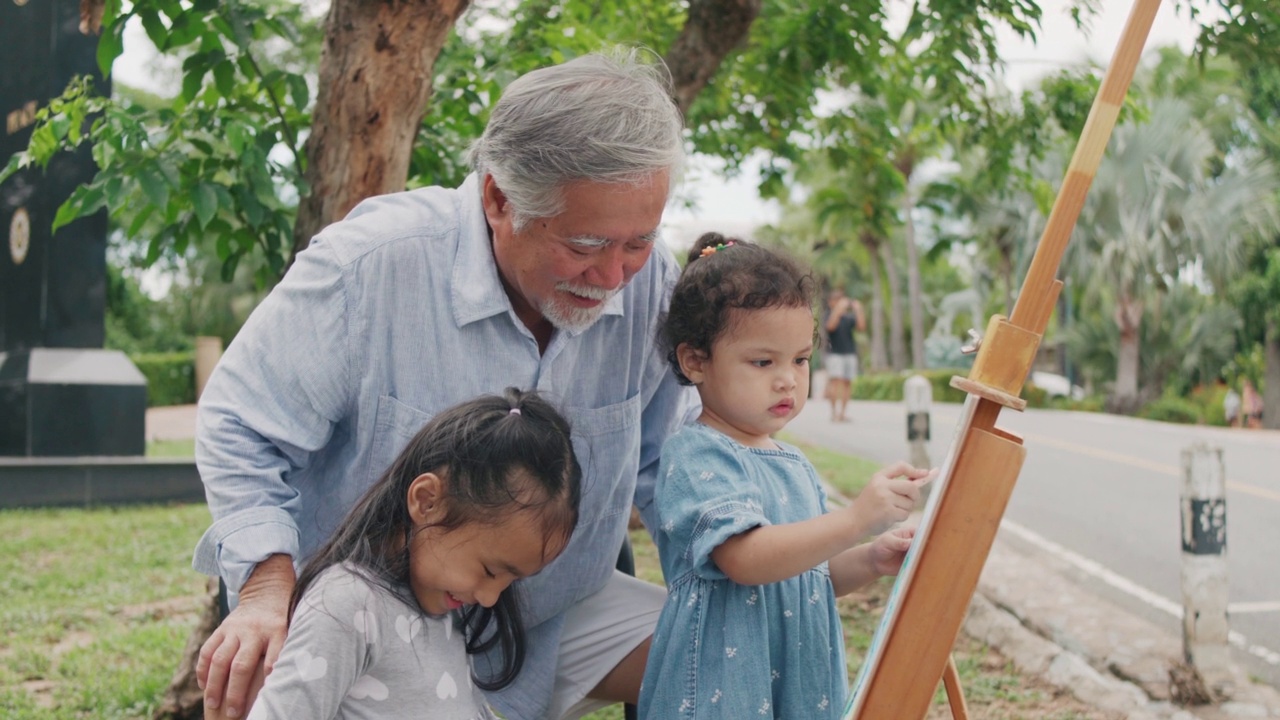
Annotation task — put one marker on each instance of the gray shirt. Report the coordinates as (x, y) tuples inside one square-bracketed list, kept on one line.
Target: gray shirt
[(356, 651)]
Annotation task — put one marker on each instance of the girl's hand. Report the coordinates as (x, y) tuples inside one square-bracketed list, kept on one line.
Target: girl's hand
[(890, 549), (889, 497)]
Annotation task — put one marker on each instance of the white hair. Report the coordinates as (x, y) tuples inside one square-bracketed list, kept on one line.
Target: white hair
[(605, 118)]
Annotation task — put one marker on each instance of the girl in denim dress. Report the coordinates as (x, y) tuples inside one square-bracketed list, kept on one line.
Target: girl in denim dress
[(752, 558)]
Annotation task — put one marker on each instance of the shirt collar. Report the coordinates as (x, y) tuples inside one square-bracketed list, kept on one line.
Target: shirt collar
[(477, 289)]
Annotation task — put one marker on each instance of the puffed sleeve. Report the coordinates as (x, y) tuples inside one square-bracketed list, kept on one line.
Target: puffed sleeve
[(705, 495)]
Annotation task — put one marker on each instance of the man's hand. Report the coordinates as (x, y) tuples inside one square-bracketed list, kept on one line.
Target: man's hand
[(249, 639)]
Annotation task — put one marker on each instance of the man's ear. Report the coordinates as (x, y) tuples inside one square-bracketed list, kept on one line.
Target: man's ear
[(426, 499), (497, 209), (692, 362)]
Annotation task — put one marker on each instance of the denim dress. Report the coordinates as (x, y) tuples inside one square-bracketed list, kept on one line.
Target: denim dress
[(724, 650)]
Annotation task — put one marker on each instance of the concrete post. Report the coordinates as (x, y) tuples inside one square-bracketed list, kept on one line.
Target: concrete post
[(208, 353), (1204, 566), (917, 394)]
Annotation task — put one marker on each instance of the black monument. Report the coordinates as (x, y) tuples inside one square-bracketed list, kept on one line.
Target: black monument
[(61, 394)]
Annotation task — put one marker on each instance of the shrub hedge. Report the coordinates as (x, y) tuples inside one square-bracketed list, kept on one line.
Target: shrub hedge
[(171, 377), (888, 386)]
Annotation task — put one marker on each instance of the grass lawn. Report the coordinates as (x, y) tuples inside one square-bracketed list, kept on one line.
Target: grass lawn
[(96, 606), (171, 448)]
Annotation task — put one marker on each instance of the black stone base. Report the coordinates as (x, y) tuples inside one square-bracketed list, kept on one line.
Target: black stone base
[(97, 481), (68, 402)]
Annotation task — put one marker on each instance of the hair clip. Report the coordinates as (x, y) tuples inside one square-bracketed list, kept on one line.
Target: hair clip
[(712, 249), (514, 411)]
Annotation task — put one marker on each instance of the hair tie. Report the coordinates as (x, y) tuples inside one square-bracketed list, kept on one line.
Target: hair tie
[(712, 249), (514, 411)]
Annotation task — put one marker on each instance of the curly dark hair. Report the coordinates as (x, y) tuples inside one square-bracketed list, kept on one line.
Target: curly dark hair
[(737, 275)]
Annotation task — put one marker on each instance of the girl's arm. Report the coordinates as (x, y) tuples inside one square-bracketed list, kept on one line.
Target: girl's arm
[(324, 654), (773, 553)]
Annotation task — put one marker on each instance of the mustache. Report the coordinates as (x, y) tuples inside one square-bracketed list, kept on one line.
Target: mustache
[(588, 291)]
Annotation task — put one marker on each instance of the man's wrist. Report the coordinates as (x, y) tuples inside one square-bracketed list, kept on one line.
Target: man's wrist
[(272, 576)]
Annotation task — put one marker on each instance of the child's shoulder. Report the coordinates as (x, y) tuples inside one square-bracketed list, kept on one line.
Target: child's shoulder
[(343, 588), (696, 437)]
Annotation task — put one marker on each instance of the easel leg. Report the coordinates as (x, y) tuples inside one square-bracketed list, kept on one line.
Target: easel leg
[(955, 693)]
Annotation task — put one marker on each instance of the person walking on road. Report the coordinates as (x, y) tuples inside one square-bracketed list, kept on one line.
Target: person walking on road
[(844, 316)]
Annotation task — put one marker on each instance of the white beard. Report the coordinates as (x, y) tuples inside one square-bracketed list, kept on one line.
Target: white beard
[(565, 316)]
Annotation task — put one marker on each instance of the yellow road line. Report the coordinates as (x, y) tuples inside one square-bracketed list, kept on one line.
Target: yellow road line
[(1132, 461)]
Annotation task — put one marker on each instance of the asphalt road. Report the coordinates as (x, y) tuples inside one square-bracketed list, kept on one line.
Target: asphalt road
[(1107, 489)]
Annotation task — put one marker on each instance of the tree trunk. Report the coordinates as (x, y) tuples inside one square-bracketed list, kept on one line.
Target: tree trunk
[(184, 699), (374, 84), (897, 339), (1128, 317), (876, 356), (711, 31), (1271, 377), (915, 293)]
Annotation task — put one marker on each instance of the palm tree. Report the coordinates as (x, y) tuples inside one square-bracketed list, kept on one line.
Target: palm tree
[(1155, 213)]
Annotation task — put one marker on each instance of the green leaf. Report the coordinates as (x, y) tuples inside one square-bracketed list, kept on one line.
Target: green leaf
[(67, 213), (201, 145), (110, 46), (206, 203), (140, 219), (222, 246), (298, 89), (229, 267), (236, 137), (224, 77), (156, 30), (154, 187), (191, 84), (154, 247), (17, 161)]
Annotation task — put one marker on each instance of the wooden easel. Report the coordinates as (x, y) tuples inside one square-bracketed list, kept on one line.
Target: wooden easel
[(912, 648)]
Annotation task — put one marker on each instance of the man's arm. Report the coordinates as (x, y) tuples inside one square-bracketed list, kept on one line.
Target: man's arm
[(862, 320), (269, 406)]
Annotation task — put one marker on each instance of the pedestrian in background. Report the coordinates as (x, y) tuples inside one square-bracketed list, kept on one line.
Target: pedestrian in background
[(1231, 407), (844, 316), (1252, 405)]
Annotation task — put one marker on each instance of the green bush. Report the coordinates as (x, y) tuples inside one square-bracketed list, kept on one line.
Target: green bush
[(1089, 404), (888, 386), (171, 377), (1209, 400), (1172, 409)]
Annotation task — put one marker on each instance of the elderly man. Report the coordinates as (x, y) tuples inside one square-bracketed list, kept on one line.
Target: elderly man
[(539, 271)]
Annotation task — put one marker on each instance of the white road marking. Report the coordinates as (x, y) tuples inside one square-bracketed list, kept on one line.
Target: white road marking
[(1159, 602)]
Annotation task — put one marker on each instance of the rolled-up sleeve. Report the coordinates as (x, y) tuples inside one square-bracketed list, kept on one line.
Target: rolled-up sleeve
[(269, 406)]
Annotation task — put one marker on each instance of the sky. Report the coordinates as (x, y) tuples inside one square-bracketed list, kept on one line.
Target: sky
[(732, 205)]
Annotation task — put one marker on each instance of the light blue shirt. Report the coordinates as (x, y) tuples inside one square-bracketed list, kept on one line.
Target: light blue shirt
[(392, 315)]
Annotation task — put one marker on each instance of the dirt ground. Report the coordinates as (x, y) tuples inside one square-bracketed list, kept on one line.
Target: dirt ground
[(993, 688)]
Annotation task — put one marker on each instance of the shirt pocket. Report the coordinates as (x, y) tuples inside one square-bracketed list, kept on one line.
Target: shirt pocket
[(394, 425), (607, 443)]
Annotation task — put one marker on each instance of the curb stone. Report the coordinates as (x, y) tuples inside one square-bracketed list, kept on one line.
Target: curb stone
[(1050, 626)]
